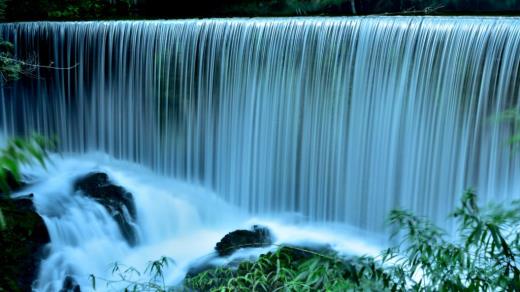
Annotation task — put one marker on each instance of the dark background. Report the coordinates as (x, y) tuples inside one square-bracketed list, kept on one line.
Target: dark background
[(19, 10)]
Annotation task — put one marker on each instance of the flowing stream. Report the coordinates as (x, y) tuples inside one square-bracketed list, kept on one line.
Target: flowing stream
[(331, 120)]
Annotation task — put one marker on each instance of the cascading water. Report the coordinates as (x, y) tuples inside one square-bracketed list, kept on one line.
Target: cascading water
[(174, 219), (339, 119)]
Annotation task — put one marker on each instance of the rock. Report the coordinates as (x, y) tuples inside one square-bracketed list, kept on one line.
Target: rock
[(22, 244), (117, 201), (70, 285), (258, 236)]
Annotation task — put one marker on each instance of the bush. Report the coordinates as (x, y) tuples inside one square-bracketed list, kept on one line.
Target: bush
[(294, 269), (10, 68), (482, 258)]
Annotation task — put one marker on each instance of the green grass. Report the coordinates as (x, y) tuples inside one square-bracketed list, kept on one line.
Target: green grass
[(294, 269)]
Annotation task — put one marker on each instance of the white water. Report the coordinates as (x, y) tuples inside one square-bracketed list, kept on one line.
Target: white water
[(180, 221), (338, 120)]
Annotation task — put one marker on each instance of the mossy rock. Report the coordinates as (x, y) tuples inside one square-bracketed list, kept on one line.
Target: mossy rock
[(22, 244)]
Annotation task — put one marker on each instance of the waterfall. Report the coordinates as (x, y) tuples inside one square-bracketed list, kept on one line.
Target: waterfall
[(86, 240), (339, 119), (174, 219)]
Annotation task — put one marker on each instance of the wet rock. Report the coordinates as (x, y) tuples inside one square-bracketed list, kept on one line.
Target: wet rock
[(258, 236), (117, 201), (22, 244), (70, 285)]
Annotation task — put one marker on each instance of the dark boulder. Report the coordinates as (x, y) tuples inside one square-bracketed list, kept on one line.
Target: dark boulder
[(70, 285), (258, 236), (117, 201), (22, 243)]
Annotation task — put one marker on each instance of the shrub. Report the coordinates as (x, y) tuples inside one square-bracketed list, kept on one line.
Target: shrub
[(481, 258), (294, 269)]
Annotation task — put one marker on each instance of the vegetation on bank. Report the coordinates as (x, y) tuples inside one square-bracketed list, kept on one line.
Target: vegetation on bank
[(16, 153), (19, 152), (14, 10), (295, 269), (22, 231), (483, 256)]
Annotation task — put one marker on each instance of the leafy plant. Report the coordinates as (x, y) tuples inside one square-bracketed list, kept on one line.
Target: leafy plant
[(2, 221), (294, 269), (22, 151), (10, 68), (152, 279), (88, 9), (483, 258), (18, 152)]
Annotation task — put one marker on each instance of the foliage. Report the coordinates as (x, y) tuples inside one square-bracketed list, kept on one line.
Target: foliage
[(295, 269), (110, 9), (18, 152), (22, 151), (3, 225), (10, 68), (67, 9), (483, 258), (22, 230), (3, 7), (152, 279), (87, 9)]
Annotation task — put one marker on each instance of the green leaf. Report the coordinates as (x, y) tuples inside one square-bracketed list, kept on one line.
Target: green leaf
[(3, 225)]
